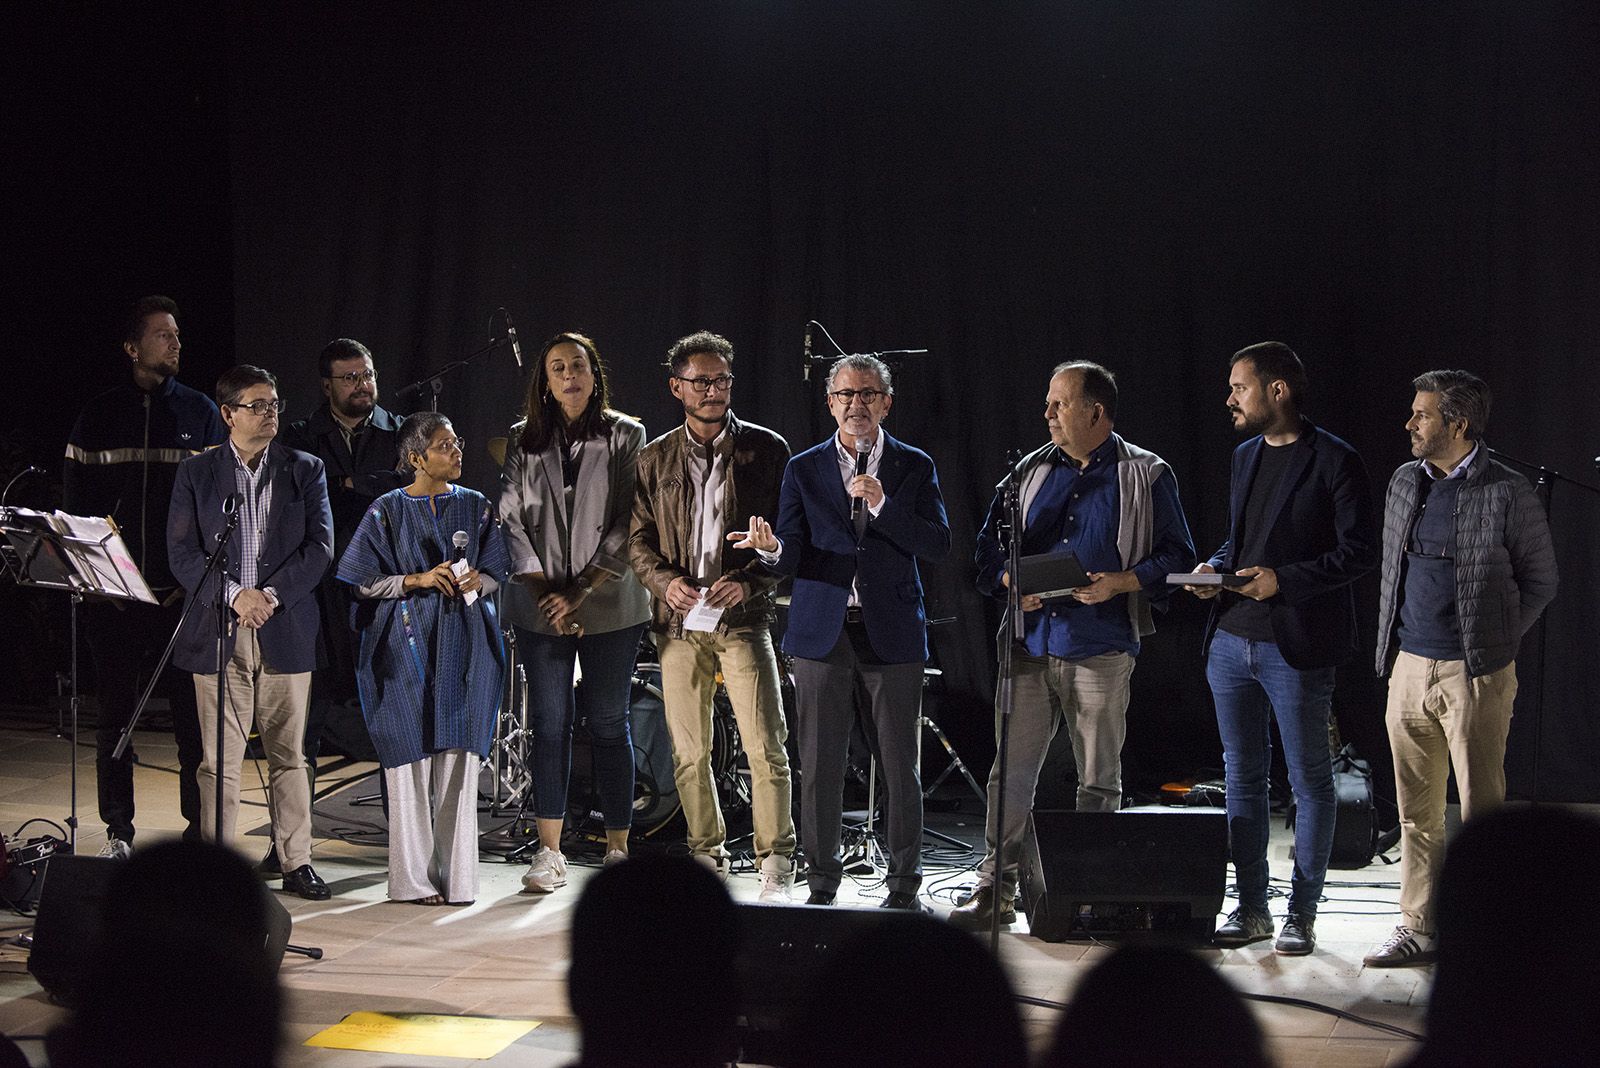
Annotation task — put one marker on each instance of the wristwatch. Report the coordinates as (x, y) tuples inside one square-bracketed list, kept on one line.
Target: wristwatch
[(585, 585)]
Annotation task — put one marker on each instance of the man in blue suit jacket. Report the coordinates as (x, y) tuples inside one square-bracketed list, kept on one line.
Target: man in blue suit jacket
[(854, 516), (276, 556), (1301, 529)]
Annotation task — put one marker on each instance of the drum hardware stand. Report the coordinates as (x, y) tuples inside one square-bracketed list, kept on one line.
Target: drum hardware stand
[(508, 759)]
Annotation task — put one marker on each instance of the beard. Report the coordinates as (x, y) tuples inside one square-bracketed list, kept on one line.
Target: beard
[(1249, 425), (1427, 447), (357, 406)]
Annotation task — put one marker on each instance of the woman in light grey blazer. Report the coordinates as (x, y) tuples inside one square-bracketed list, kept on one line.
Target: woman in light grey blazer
[(567, 497)]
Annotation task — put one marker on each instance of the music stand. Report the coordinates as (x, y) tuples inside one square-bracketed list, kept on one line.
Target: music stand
[(81, 557)]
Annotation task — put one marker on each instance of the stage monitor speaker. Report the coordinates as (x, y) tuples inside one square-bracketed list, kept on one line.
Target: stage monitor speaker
[(1143, 871), (71, 904), (71, 899), (782, 953)]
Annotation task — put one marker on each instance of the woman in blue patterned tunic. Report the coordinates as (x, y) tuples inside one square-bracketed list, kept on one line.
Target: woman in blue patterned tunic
[(430, 664)]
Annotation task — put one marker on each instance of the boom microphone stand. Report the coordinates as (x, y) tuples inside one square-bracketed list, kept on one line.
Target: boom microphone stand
[(1544, 487), (435, 381)]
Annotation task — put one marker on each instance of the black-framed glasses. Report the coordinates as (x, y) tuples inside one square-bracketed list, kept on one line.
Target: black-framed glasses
[(869, 397), (356, 378), (457, 444), (260, 408), (721, 383)]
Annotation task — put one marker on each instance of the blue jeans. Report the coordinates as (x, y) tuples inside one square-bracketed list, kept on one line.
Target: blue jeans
[(1250, 682), (602, 701)]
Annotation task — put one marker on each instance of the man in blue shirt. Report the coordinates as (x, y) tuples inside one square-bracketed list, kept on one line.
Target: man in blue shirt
[(1116, 507)]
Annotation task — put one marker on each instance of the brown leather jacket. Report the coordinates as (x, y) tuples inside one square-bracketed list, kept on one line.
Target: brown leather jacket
[(659, 540)]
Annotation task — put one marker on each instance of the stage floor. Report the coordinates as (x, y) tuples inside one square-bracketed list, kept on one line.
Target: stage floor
[(506, 955)]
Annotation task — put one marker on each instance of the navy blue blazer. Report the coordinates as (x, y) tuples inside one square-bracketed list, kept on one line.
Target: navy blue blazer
[(821, 553), (296, 549), (1322, 536)]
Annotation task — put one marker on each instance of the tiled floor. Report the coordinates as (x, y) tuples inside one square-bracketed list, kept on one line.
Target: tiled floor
[(506, 955)]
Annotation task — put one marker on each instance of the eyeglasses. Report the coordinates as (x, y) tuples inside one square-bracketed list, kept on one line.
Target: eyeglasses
[(453, 445), (261, 407), (721, 383), (869, 397), (356, 378)]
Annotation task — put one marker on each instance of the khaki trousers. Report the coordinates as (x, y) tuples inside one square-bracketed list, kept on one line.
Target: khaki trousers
[(276, 705), (749, 669), (1439, 717)]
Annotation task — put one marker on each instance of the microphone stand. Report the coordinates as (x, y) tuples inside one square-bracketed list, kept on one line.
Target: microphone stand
[(1011, 628), (435, 381), (1544, 487), (218, 561)]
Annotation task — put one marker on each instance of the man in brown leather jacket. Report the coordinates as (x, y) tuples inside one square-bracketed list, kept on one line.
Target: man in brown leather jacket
[(714, 603)]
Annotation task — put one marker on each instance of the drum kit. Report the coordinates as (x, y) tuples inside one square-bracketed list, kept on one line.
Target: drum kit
[(509, 771)]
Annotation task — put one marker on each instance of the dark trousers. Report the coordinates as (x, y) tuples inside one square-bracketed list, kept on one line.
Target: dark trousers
[(825, 711), (125, 640), (601, 702)]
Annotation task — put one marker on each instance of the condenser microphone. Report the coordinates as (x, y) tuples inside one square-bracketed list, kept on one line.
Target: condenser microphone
[(459, 540), (806, 374), (863, 447), (511, 335)]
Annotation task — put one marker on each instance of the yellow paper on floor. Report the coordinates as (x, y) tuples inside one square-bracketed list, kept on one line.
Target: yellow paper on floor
[(423, 1034)]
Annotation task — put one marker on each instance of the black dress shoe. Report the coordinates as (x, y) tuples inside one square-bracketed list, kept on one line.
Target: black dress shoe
[(820, 897), (270, 866), (307, 883), (905, 901)]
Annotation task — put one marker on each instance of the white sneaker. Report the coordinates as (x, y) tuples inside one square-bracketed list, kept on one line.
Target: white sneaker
[(1404, 948), (777, 880), (613, 856), (115, 849), (547, 872)]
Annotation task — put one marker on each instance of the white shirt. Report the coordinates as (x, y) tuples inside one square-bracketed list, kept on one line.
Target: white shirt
[(708, 479), (847, 471)]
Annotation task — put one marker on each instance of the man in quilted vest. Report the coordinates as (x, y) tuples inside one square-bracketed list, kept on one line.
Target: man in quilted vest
[(1467, 568)]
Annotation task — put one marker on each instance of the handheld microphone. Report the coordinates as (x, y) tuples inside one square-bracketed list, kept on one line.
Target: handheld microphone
[(511, 336), (807, 372), (863, 447), (459, 541)]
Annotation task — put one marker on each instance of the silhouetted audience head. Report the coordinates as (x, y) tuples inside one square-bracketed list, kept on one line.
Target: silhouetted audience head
[(181, 974), (1151, 1005), (909, 990), (1516, 981), (652, 976)]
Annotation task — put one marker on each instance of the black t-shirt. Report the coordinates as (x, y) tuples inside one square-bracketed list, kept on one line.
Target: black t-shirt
[(1249, 619)]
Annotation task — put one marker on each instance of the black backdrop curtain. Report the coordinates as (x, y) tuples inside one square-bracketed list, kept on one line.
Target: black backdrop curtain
[(1008, 185)]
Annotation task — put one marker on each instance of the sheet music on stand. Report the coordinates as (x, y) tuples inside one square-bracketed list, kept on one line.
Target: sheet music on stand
[(80, 554)]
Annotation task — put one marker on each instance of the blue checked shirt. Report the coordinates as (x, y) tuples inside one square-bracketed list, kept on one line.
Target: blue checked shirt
[(256, 506)]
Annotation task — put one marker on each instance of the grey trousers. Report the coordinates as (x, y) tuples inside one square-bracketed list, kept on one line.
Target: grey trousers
[(1090, 698), (433, 827), (825, 712)]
